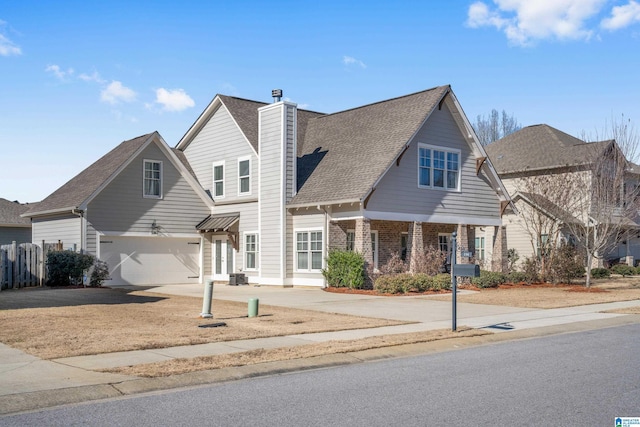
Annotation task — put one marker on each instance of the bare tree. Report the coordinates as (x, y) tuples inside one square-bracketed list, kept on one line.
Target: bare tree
[(495, 126)]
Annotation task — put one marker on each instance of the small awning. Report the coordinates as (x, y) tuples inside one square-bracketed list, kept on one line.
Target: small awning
[(217, 223)]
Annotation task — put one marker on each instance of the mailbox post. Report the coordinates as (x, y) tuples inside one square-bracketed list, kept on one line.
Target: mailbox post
[(462, 270)]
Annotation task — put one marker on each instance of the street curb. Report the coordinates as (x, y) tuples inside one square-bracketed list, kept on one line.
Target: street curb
[(26, 402)]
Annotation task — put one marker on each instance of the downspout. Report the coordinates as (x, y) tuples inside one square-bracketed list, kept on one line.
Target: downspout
[(326, 231), (80, 213)]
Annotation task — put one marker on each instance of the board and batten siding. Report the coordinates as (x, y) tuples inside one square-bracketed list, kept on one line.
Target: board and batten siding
[(121, 208), (398, 190), (220, 139), (65, 228), (272, 170)]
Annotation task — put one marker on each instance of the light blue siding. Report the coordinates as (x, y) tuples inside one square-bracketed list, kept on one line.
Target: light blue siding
[(65, 228)]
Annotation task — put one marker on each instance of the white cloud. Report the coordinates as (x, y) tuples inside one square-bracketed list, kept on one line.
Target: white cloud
[(349, 60), (173, 99), (7, 47), (622, 16), (59, 72), (525, 21), (93, 77), (115, 93)]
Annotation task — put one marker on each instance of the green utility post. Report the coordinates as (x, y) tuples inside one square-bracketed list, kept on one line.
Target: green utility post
[(206, 302), (253, 307)]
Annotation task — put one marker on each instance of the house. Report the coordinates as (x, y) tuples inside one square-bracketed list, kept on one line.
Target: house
[(532, 163), (288, 184), (266, 190), (13, 228), (134, 208)]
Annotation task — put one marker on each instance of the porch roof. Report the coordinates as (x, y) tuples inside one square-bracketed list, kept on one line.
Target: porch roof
[(219, 222)]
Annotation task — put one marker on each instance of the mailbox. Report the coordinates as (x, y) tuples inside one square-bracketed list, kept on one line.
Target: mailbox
[(466, 270)]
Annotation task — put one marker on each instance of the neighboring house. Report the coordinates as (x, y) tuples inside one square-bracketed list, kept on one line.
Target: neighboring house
[(135, 208), (14, 228), (535, 153), (288, 185)]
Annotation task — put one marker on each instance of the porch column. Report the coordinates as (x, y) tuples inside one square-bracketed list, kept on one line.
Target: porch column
[(628, 255), (362, 240), (415, 244), (466, 242), (499, 258)]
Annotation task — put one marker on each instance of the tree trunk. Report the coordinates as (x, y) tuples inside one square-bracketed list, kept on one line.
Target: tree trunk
[(589, 261)]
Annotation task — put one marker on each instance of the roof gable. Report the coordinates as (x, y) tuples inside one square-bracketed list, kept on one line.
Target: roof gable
[(354, 148), (541, 147), (81, 189)]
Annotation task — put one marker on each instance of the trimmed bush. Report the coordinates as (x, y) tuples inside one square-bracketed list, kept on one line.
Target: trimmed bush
[(623, 269), (600, 273), (531, 268), (489, 279), (67, 268), (517, 277), (565, 265), (345, 269), (99, 274), (405, 283)]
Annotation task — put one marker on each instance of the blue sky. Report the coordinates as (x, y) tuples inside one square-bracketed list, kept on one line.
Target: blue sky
[(77, 77)]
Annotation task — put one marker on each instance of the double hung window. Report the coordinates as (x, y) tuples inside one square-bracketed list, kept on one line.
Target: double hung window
[(438, 167), (152, 179), (308, 250)]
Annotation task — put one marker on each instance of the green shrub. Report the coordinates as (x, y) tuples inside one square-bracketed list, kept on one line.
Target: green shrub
[(99, 274), (405, 282), (623, 269), (517, 277), (345, 269), (565, 265), (600, 273), (489, 279), (67, 267), (512, 258)]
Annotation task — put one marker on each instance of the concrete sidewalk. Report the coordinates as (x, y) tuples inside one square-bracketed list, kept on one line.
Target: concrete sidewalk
[(26, 381)]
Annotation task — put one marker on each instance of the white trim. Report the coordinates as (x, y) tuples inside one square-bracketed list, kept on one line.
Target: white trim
[(306, 281), (144, 178), (283, 191), (244, 159), (244, 251), (435, 218), (445, 170), (214, 165), (309, 251), (141, 234), (271, 281)]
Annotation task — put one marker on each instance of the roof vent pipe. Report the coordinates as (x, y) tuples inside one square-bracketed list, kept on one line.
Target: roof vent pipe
[(277, 95)]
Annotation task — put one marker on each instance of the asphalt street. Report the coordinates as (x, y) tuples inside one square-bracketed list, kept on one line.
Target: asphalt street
[(574, 379)]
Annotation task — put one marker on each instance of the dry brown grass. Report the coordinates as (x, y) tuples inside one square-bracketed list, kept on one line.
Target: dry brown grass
[(550, 296), (181, 366), (142, 320)]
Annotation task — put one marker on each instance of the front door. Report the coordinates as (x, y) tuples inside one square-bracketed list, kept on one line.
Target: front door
[(222, 258)]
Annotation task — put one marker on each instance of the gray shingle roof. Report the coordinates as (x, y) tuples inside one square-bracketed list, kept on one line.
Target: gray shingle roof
[(352, 149), (245, 113), (10, 213), (79, 188), (540, 147)]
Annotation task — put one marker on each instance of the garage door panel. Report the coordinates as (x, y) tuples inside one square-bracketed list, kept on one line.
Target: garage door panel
[(151, 260)]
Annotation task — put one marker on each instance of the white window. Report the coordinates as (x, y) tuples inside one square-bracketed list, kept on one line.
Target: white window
[(351, 238), (438, 167), (444, 244), (152, 179), (244, 176), (218, 180), (309, 250), (480, 248), (251, 251)]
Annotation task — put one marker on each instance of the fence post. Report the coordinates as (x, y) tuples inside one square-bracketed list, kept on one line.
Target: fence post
[(12, 267)]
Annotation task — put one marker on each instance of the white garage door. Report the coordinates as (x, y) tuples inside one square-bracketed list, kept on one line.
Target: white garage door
[(151, 260)]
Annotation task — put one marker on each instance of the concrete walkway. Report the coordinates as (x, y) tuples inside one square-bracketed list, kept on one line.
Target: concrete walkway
[(25, 378)]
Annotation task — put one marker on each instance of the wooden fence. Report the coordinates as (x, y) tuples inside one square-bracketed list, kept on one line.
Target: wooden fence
[(23, 265)]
